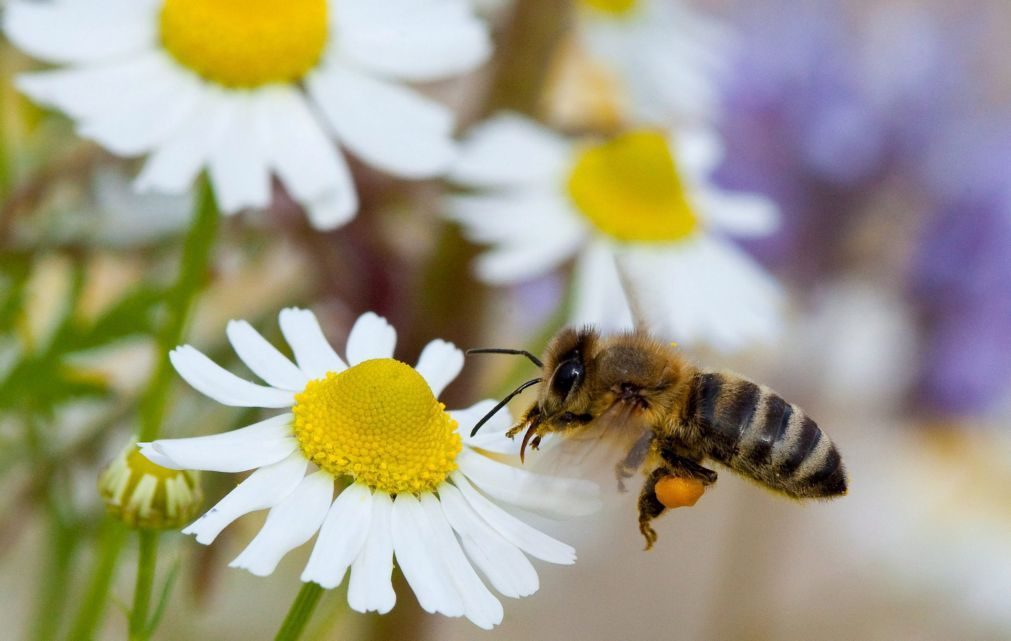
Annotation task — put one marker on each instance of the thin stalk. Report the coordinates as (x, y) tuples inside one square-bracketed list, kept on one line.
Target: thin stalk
[(300, 612), (110, 545), (192, 273), (146, 562), (180, 301)]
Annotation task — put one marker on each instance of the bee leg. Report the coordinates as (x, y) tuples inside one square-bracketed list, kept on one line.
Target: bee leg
[(684, 467), (650, 506), (633, 460)]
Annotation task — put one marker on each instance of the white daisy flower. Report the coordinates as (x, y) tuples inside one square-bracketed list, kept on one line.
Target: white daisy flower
[(254, 89), (408, 486), (637, 206), (635, 61)]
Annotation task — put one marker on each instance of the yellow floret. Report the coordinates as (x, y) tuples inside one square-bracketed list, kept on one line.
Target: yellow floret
[(379, 423), (246, 43), (629, 188)]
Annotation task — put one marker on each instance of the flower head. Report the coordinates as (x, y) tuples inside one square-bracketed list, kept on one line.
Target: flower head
[(251, 89), (145, 495), (409, 485), (638, 207), (640, 61)]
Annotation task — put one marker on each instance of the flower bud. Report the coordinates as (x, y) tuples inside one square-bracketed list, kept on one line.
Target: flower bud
[(145, 495)]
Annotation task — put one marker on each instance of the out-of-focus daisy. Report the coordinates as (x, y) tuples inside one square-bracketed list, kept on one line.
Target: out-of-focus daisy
[(254, 89), (639, 202), (408, 485), (636, 61)]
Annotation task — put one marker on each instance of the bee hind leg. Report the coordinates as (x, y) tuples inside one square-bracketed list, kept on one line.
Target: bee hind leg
[(650, 506), (684, 481)]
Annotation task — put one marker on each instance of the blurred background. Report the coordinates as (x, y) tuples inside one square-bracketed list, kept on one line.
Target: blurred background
[(883, 132)]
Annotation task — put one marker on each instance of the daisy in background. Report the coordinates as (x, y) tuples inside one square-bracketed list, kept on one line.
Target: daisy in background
[(639, 61), (408, 485), (254, 89), (637, 207)]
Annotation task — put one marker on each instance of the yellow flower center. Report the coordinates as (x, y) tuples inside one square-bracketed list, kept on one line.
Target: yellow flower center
[(379, 423), (629, 188), (245, 43), (613, 7)]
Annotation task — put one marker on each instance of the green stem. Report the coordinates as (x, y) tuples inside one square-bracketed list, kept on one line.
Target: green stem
[(192, 274), (300, 612), (146, 562), (180, 301), (110, 544)]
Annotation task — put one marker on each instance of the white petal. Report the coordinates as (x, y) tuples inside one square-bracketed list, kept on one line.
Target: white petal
[(95, 90), (147, 112), (312, 350), (413, 543), (534, 232), (480, 605), (156, 457), (697, 151), (265, 488), (548, 495), (506, 265), (371, 586), (739, 214), (174, 166), (239, 450), (513, 217), (711, 292), (341, 537), (492, 435), (411, 39), (303, 156), (289, 524), (531, 541), (598, 295), (69, 32), (238, 165), (507, 568), (333, 209), (210, 379), (388, 126), (371, 337), (440, 362), (265, 360), (510, 150)]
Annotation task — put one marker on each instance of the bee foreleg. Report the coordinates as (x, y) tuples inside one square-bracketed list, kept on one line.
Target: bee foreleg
[(633, 460)]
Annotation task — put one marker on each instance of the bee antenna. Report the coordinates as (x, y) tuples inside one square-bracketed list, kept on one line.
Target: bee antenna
[(502, 403), (496, 350)]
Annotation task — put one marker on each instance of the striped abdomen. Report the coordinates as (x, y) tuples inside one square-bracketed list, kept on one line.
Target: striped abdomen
[(753, 431)]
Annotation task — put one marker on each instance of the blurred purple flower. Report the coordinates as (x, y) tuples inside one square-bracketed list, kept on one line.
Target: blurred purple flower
[(799, 127), (961, 280)]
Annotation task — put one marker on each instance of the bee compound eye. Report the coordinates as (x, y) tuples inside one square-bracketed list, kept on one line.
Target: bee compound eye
[(566, 377)]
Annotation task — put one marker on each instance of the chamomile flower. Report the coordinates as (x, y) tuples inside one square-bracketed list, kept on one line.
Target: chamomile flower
[(636, 207), (640, 61), (408, 485), (254, 89)]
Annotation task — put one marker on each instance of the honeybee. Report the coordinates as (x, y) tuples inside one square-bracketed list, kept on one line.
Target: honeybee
[(673, 417)]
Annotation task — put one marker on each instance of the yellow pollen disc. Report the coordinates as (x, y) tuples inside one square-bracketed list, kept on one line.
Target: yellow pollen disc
[(245, 43), (379, 423), (613, 7), (630, 189)]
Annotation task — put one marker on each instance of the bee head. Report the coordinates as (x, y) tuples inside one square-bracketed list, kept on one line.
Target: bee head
[(566, 401)]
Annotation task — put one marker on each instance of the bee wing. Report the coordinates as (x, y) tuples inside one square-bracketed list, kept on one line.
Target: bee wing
[(596, 452)]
